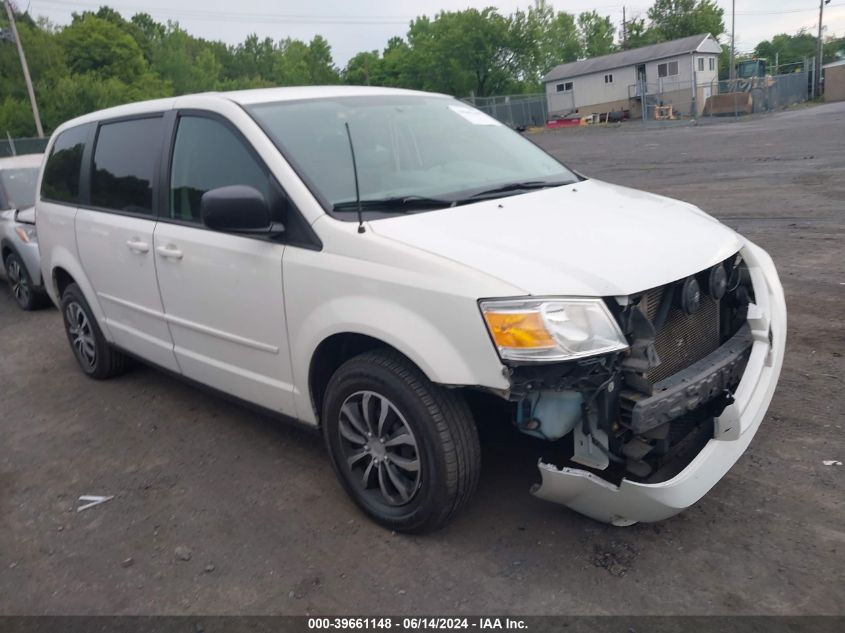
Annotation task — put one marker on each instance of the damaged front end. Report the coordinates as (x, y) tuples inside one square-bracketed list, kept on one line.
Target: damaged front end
[(637, 418)]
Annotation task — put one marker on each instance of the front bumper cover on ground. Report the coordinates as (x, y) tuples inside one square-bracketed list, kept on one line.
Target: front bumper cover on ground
[(631, 502)]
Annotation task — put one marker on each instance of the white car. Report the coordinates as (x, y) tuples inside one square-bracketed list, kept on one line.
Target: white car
[(398, 269)]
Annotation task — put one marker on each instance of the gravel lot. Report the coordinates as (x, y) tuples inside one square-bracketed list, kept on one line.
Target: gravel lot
[(220, 511)]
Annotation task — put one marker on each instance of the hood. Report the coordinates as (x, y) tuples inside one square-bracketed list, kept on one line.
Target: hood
[(586, 239)]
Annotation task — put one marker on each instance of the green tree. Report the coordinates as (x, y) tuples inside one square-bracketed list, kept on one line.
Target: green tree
[(16, 118), (638, 34), (834, 49), (253, 58), (292, 65), (78, 94), (130, 27), (45, 57), (188, 63), (674, 19), (596, 34), (321, 68), (561, 42), (462, 52), (92, 44), (364, 69), (399, 65), (541, 39), (792, 50)]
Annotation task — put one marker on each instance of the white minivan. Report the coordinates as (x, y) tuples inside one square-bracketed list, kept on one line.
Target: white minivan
[(398, 269)]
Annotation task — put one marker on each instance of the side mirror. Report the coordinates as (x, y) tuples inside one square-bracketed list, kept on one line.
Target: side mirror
[(237, 209)]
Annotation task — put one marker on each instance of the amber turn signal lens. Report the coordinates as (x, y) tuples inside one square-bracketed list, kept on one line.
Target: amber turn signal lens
[(518, 330)]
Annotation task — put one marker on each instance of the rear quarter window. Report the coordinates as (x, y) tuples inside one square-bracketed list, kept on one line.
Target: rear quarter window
[(62, 171)]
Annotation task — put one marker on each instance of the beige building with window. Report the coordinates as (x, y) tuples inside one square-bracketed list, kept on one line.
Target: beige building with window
[(681, 73)]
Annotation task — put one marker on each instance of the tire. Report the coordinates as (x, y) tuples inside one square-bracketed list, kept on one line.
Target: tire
[(96, 357), (425, 465), (26, 295)]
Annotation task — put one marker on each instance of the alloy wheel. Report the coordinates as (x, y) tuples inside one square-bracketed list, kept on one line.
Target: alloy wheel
[(17, 280), (81, 334), (379, 448)]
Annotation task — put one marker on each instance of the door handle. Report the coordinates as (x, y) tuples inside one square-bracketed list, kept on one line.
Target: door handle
[(169, 251), (138, 245)]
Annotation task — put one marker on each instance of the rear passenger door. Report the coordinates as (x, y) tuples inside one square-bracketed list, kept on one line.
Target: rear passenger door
[(114, 232), (222, 292)]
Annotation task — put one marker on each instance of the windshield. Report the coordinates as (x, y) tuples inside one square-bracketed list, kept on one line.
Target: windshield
[(17, 187), (433, 150)]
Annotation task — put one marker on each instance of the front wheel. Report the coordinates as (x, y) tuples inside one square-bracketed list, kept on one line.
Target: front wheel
[(26, 295), (406, 450)]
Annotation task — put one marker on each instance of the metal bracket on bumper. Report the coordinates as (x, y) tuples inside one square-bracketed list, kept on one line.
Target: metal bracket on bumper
[(701, 382)]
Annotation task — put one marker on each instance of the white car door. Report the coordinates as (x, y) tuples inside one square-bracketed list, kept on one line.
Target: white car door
[(114, 233), (222, 292)]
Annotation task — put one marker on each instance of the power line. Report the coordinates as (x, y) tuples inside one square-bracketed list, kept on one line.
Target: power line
[(785, 11)]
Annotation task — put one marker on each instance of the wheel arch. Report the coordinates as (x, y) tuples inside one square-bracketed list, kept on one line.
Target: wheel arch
[(331, 353), (61, 280), (6, 248), (65, 270)]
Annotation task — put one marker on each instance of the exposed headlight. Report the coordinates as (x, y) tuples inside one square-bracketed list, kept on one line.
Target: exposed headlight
[(551, 329), (26, 233)]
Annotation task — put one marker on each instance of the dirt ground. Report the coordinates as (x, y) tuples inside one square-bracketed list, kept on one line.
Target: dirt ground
[(219, 511)]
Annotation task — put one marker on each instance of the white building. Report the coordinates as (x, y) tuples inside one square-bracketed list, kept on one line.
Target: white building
[(679, 73)]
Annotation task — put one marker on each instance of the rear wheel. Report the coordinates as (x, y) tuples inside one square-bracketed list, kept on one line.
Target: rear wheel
[(26, 295), (406, 450), (97, 358)]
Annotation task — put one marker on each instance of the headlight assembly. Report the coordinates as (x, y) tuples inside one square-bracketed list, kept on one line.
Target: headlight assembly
[(26, 233), (551, 329)]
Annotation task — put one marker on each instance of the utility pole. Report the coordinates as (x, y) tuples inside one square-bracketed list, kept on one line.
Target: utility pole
[(733, 41), (818, 77), (624, 28), (26, 76)]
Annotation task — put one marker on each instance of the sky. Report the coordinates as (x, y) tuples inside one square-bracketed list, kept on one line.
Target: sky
[(351, 26)]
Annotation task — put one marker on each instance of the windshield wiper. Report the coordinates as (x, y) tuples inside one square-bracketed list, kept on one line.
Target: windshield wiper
[(526, 185), (398, 204)]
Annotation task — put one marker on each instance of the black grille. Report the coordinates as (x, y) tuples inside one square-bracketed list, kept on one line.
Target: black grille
[(683, 339)]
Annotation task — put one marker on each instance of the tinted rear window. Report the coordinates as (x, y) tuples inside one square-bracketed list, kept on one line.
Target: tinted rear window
[(125, 158), (61, 174)]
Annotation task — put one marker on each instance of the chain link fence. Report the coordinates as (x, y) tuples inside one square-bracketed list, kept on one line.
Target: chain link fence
[(737, 97), (516, 111), (16, 146), (678, 100)]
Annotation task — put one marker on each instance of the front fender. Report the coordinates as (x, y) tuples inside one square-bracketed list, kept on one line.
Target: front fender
[(456, 357)]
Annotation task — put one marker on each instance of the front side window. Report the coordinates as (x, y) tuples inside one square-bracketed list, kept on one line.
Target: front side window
[(17, 187), (712, 63), (61, 173), (125, 159), (700, 63), (407, 148), (208, 155), (564, 87), (608, 79)]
